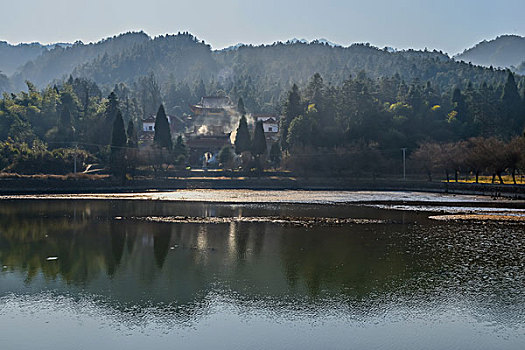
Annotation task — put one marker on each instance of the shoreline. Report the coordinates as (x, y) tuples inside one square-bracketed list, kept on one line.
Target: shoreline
[(29, 186), (400, 200)]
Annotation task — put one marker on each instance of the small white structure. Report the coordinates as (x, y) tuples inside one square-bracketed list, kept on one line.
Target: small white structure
[(270, 123), (148, 124)]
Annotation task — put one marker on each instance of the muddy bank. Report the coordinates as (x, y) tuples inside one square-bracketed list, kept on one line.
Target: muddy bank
[(389, 199), (12, 186)]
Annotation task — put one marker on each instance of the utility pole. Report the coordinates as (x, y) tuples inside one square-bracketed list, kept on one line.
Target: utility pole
[(404, 163)]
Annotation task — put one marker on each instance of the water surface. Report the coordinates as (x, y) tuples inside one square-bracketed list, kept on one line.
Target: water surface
[(74, 276)]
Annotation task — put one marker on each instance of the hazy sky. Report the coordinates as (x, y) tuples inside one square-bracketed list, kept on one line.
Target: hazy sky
[(448, 25)]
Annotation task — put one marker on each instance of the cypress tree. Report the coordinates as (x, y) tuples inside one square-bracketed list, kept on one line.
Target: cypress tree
[(132, 135), (118, 135), (104, 129), (162, 136), (511, 107), (242, 137), (65, 127), (292, 109), (240, 107), (259, 141), (118, 144)]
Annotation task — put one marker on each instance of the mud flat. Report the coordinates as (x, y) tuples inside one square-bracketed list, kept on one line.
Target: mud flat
[(411, 198), (294, 221), (480, 218)]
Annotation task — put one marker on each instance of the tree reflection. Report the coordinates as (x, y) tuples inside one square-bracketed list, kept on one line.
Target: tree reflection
[(179, 265)]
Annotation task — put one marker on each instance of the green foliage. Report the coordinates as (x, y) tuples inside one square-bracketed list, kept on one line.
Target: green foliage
[(162, 136), (293, 107), (240, 107), (259, 141), (37, 159), (242, 137), (180, 151), (131, 135), (275, 154), (118, 146), (225, 156)]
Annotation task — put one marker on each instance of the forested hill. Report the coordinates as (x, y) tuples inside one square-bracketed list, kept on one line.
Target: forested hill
[(12, 56), (60, 61), (505, 51), (183, 58)]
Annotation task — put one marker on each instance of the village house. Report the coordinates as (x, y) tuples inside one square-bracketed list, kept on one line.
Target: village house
[(177, 126), (270, 126)]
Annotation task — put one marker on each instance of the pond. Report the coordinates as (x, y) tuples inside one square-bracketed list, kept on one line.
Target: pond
[(136, 274)]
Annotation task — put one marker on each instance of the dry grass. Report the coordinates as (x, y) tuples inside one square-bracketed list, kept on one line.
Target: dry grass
[(507, 179)]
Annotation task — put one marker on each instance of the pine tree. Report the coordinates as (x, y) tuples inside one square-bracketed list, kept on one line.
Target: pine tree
[(103, 129), (132, 135), (292, 109), (512, 118), (200, 90), (259, 141), (162, 136), (65, 128), (118, 146), (242, 137), (240, 107)]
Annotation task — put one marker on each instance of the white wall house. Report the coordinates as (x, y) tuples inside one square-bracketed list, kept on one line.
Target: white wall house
[(270, 123)]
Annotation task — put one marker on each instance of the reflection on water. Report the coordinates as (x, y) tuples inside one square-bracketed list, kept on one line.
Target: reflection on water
[(114, 282)]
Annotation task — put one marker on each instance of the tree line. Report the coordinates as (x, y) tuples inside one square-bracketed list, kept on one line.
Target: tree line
[(473, 158), (361, 125)]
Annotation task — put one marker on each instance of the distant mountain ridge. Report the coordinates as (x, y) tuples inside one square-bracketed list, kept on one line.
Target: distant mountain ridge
[(13, 56), (506, 51), (183, 58)]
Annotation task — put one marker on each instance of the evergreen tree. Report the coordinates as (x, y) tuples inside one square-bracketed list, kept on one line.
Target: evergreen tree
[(292, 109), (315, 92), (200, 90), (65, 128), (240, 107), (259, 141), (225, 156), (132, 135), (103, 130), (180, 148), (242, 137), (512, 114), (275, 154), (162, 136), (112, 107), (118, 146)]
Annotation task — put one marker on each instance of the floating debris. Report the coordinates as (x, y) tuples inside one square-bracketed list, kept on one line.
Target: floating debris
[(295, 221), (52, 258)]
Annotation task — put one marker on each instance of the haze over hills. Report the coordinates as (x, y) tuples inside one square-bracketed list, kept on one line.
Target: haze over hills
[(506, 51), (127, 57)]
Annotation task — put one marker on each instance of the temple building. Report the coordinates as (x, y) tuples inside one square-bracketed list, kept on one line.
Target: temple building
[(213, 106)]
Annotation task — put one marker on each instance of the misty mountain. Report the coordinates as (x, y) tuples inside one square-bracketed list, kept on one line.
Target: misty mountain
[(13, 56), (183, 58), (505, 51), (61, 60)]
